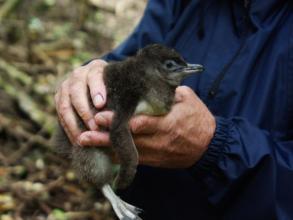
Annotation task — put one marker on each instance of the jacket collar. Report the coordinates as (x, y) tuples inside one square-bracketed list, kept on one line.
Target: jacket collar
[(258, 12)]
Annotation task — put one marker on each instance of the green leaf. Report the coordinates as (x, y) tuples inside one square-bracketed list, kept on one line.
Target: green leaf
[(59, 214)]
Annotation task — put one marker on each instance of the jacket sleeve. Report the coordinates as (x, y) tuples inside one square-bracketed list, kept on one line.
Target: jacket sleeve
[(158, 18), (248, 166)]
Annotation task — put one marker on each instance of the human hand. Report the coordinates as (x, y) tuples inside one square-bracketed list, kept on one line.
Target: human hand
[(72, 96), (180, 138), (176, 140)]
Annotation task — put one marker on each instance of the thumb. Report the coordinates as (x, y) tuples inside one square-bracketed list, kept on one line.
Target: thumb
[(182, 93)]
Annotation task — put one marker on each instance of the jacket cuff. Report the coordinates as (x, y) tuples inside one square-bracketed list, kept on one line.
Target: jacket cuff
[(208, 162)]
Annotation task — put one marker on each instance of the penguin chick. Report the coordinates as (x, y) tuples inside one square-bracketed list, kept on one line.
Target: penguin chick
[(142, 84)]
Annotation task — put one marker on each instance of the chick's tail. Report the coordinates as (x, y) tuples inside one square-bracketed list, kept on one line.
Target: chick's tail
[(123, 210)]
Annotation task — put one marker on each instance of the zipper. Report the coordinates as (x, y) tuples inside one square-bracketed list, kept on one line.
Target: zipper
[(216, 84)]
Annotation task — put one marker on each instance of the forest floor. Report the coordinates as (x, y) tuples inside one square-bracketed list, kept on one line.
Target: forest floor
[(40, 42)]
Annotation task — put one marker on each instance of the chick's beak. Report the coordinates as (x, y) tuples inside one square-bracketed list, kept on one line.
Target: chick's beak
[(184, 71), (192, 68)]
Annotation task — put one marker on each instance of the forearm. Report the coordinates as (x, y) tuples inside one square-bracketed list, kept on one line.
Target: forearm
[(246, 161)]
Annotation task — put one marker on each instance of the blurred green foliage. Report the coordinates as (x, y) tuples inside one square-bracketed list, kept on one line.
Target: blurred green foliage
[(40, 42)]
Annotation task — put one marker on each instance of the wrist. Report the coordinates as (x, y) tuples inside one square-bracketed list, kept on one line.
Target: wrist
[(208, 161), (208, 132)]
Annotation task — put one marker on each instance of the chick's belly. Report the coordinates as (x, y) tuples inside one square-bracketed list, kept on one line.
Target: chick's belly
[(146, 108)]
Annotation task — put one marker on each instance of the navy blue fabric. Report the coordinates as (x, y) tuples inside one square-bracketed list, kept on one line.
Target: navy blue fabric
[(246, 48)]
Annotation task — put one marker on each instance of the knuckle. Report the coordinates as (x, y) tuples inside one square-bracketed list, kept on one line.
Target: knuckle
[(170, 126), (63, 85), (185, 90), (189, 91), (75, 73), (84, 114), (176, 134), (98, 62), (63, 90), (78, 73), (75, 88), (63, 110), (99, 72), (78, 70), (94, 76)]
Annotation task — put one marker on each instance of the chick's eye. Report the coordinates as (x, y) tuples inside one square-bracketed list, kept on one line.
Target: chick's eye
[(170, 64)]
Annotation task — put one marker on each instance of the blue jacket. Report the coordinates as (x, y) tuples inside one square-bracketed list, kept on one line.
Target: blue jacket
[(247, 50)]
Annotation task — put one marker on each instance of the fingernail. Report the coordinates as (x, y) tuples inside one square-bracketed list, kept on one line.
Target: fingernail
[(83, 139), (92, 125), (98, 100)]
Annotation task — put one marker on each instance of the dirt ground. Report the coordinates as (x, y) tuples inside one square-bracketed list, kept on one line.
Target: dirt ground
[(40, 42)]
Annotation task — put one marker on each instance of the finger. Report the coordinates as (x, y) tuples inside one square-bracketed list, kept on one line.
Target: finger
[(67, 132), (104, 118), (148, 142), (143, 124), (67, 114), (96, 84), (97, 62), (94, 138), (61, 121), (79, 99), (57, 100)]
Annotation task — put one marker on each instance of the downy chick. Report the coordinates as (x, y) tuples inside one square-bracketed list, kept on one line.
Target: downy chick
[(143, 84)]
